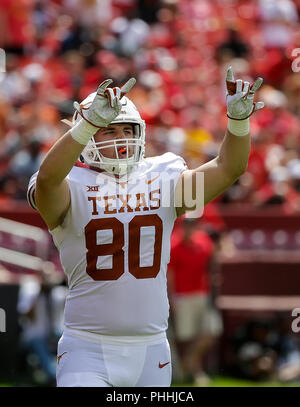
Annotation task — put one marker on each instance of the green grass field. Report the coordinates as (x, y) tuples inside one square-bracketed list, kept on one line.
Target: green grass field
[(220, 381)]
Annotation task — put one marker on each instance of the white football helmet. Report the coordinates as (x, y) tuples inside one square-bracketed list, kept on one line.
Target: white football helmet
[(92, 154)]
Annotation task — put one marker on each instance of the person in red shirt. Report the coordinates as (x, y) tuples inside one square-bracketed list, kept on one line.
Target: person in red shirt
[(196, 322)]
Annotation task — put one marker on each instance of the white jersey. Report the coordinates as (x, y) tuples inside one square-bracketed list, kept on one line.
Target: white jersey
[(114, 246)]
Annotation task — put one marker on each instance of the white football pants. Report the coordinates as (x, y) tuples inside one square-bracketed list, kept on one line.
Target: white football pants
[(91, 360)]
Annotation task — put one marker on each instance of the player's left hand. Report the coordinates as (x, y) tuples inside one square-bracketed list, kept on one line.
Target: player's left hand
[(240, 95)]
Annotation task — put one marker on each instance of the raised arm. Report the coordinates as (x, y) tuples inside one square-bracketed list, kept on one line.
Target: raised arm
[(231, 162), (52, 194)]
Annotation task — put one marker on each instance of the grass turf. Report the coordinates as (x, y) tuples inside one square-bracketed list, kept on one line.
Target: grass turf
[(220, 381)]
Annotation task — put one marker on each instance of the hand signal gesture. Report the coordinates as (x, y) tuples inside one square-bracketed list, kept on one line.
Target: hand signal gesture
[(106, 105), (239, 97)]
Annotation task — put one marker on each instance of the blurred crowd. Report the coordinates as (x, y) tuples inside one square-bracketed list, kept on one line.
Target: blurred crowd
[(263, 348), (58, 51)]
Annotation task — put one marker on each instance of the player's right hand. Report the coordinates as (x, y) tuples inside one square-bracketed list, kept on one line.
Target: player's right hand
[(106, 105)]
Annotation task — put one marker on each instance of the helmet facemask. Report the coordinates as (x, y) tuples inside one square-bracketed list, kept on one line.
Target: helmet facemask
[(93, 152)]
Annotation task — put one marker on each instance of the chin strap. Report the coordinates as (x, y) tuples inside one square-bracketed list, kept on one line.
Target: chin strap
[(67, 122)]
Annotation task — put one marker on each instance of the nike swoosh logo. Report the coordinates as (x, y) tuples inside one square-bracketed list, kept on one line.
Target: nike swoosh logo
[(151, 180), (60, 356), (161, 365)]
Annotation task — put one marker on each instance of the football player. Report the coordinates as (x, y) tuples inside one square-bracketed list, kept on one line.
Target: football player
[(111, 219)]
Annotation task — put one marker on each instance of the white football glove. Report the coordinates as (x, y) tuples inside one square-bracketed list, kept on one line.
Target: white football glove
[(239, 97), (106, 105)]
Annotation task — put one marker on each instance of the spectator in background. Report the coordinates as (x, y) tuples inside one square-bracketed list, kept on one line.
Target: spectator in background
[(41, 305), (288, 348), (28, 160), (294, 171), (14, 85), (253, 351), (90, 12), (233, 47), (21, 167), (148, 9), (291, 87), (266, 349), (16, 31), (278, 17), (278, 191), (279, 20), (197, 323), (132, 33)]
